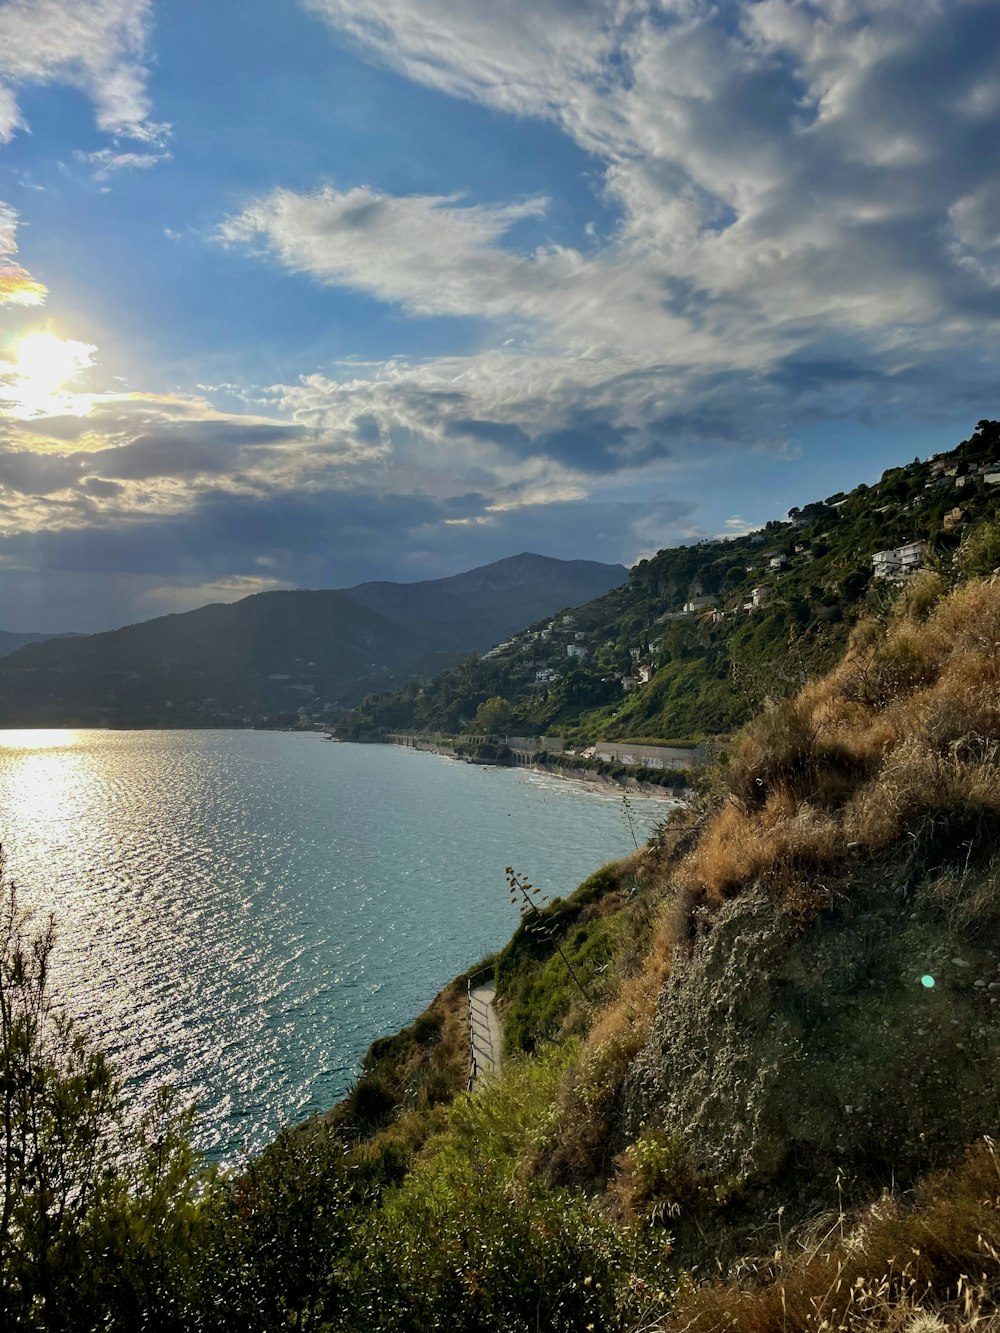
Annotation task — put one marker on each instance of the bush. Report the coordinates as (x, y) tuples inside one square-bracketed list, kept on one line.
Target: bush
[(95, 1215), (469, 1243)]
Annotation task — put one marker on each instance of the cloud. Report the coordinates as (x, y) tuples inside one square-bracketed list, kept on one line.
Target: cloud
[(17, 286), (106, 161), (183, 449), (797, 186), (153, 491), (335, 538), (97, 46), (519, 63), (805, 197), (431, 253)]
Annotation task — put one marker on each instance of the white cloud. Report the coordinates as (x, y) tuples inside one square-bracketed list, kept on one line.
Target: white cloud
[(8, 230), (106, 161), (807, 230), (521, 58), (97, 46), (434, 254), (10, 115), (17, 286), (785, 172), (177, 597)]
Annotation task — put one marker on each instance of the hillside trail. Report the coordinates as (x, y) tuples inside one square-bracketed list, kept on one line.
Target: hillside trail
[(485, 1035)]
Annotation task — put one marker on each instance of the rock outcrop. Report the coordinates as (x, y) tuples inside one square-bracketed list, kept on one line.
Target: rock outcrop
[(806, 1065)]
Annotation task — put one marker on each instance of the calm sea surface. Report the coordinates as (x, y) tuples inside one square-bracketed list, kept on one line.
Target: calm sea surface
[(241, 913)]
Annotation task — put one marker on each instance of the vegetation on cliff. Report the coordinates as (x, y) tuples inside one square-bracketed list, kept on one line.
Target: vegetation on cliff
[(711, 669), (766, 1099)]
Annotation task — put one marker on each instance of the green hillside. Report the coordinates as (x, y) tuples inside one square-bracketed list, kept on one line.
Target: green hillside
[(711, 668), (277, 657)]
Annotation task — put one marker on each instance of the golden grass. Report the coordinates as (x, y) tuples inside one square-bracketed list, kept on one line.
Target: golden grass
[(899, 744), (932, 1262), (904, 732)]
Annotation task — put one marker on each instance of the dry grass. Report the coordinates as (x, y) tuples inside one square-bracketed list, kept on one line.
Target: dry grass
[(903, 735), (900, 744), (591, 1086), (930, 1263)]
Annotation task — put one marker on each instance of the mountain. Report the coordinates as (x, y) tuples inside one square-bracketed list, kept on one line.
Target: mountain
[(262, 659), (10, 640), (764, 611)]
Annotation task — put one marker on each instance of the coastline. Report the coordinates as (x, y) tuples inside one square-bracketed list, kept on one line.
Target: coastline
[(627, 785)]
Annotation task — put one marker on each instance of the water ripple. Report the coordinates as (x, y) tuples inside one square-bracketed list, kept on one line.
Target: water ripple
[(241, 913)]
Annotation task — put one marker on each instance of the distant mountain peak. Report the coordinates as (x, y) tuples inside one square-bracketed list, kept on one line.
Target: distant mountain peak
[(276, 656)]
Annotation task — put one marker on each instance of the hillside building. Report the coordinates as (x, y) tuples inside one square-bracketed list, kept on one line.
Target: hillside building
[(696, 604), (900, 562)]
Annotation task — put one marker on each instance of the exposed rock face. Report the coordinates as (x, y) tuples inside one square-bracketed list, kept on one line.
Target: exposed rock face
[(782, 1056)]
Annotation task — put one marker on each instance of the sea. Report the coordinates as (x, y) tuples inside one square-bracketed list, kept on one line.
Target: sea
[(239, 914)]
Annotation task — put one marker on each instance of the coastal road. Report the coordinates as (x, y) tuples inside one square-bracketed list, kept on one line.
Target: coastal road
[(484, 1032)]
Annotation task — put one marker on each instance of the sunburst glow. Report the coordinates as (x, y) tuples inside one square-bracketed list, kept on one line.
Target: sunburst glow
[(43, 365)]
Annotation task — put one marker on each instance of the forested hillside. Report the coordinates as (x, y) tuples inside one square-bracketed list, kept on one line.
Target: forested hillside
[(767, 610), (279, 657)]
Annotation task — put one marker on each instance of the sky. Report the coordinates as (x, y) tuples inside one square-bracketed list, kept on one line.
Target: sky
[(301, 293)]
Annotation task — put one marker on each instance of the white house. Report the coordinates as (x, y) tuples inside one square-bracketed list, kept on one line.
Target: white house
[(575, 650), (697, 604), (899, 562), (760, 596), (645, 672)]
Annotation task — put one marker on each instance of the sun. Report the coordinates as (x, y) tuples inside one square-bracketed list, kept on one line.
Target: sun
[(42, 366)]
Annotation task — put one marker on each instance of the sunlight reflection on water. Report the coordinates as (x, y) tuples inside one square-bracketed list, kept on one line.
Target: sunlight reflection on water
[(241, 913)]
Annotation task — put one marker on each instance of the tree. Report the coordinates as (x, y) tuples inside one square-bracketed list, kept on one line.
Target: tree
[(979, 553), (91, 1207), (493, 717)]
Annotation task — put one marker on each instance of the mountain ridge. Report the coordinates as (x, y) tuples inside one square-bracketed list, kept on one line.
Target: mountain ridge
[(266, 657)]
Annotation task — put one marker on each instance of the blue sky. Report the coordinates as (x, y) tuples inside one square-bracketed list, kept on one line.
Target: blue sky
[(311, 292)]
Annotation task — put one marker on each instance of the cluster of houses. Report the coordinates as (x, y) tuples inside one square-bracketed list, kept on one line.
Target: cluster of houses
[(894, 565), (946, 471)]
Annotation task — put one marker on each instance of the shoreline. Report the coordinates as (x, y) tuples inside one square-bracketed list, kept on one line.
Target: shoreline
[(627, 786)]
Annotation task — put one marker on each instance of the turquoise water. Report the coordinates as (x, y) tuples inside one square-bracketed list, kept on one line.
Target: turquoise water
[(240, 914)]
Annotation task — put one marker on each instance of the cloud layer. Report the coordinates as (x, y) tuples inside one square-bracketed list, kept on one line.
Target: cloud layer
[(808, 204), (17, 286)]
